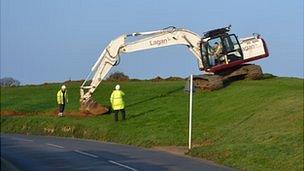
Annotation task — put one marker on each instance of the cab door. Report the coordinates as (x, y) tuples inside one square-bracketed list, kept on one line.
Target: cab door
[(232, 48)]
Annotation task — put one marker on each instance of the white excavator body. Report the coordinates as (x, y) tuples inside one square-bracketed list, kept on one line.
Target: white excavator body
[(234, 52)]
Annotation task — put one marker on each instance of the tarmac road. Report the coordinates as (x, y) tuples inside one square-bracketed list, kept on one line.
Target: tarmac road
[(28, 152)]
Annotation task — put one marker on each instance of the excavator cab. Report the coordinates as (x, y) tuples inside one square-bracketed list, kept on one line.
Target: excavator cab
[(220, 48)]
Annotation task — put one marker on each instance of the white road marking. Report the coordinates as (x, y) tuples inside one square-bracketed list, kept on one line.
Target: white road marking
[(80, 152), (22, 139), (122, 165), (87, 154), (54, 145)]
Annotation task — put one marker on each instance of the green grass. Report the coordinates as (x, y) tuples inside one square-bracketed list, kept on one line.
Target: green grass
[(249, 125)]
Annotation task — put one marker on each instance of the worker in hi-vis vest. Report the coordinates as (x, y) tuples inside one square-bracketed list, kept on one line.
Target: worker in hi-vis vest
[(62, 99), (118, 103)]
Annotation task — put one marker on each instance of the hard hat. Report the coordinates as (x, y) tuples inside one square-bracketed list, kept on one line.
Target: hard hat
[(117, 87), (63, 87)]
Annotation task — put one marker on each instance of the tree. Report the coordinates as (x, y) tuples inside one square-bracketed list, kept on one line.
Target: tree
[(9, 82), (118, 76)]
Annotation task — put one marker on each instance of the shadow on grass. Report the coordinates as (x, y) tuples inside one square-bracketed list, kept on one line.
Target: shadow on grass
[(142, 113), (157, 97)]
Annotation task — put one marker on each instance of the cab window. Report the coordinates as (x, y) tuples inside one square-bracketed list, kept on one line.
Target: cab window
[(215, 51), (233, 48), (222, 50)]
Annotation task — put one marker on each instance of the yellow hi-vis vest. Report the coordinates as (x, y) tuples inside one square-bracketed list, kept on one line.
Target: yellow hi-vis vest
[(60, 97), (116, 100)]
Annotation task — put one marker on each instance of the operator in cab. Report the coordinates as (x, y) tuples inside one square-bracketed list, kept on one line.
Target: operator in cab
[(117, 102), (215, 53), (218, 50)]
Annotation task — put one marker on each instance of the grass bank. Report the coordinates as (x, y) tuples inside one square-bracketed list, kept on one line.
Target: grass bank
[(250, 125)]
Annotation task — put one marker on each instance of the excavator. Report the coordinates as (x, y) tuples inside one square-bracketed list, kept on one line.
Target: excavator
[(220, 55)]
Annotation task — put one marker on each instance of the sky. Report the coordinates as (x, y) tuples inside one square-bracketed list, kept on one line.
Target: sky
[(56, 40)]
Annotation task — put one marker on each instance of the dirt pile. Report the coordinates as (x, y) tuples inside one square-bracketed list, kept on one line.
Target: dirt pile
[(92, 107), (174, 79)]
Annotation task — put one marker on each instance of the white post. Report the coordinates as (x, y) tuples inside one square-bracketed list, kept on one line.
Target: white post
[(190, 111)]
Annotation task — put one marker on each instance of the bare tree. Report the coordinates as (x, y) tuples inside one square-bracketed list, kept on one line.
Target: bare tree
[(9, 82)]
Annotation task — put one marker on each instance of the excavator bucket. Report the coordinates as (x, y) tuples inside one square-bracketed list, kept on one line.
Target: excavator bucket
[(92, 107)]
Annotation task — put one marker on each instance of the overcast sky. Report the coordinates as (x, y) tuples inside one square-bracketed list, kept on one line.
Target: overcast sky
[(55, 40)]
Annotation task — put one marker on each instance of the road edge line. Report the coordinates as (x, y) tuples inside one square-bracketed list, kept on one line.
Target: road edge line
[(122, 165), (86, 154), (54, 145)]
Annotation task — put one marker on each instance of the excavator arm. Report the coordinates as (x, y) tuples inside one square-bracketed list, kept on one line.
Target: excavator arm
[(144, 40)]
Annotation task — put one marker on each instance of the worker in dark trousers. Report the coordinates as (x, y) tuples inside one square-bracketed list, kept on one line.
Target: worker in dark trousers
[(117, 102), (62, 99)]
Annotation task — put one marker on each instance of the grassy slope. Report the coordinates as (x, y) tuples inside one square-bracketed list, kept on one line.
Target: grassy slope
[(251, 125)]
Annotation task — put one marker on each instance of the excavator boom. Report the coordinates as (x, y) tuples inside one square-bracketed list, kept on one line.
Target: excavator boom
[(145, 40)]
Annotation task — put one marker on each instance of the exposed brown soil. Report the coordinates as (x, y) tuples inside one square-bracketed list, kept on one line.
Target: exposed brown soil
[(11, 113), (51, 113), (92, 107)]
